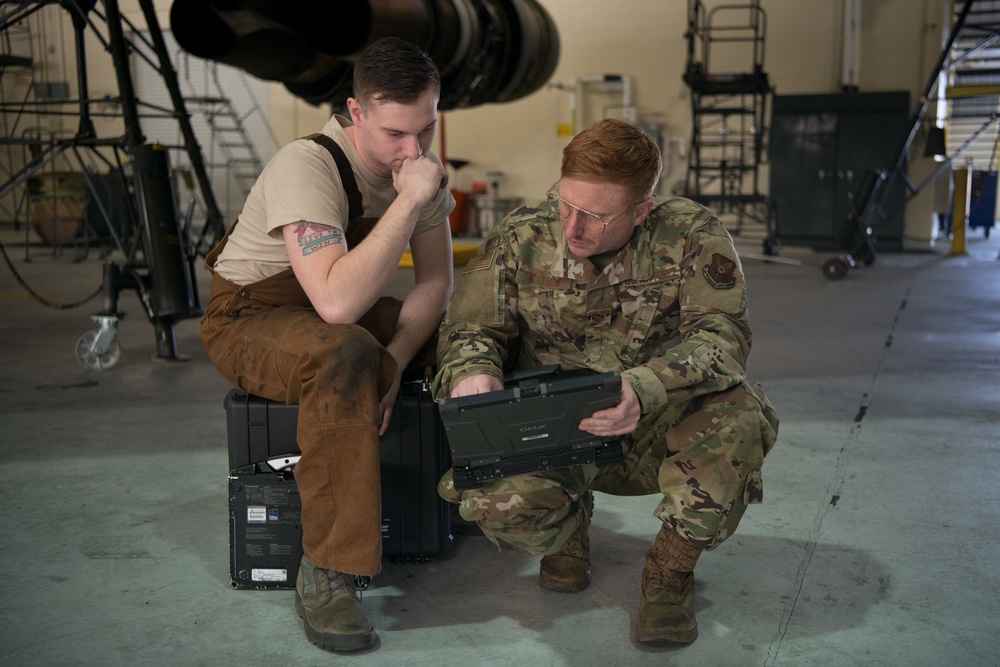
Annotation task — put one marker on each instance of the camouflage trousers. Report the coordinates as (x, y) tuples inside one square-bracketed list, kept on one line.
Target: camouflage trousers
[(704, 456)]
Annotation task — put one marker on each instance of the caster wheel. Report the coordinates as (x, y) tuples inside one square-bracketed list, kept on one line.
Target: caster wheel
[(93, 362), (834, 268)]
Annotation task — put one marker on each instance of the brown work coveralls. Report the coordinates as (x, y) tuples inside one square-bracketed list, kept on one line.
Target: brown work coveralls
[(266, 339)]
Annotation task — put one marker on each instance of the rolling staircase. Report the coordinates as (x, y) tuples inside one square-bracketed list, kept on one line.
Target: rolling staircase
[(966, 80), (729, 91), (237, 153), (972, 86)]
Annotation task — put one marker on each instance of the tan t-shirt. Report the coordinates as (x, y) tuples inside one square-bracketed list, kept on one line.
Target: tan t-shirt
[(301, 182)]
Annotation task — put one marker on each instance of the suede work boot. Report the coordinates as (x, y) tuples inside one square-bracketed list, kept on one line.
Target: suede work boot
[(666, 611), (568, 570), (330, 607)]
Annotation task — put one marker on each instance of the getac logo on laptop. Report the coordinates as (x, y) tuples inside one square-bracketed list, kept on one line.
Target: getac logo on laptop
[(532, 424)]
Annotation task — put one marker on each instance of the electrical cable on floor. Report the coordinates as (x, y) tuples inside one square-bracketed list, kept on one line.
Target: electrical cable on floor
[(38, 297)]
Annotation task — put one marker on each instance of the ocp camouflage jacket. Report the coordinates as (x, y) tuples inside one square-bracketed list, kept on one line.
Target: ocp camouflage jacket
[(669, 311)]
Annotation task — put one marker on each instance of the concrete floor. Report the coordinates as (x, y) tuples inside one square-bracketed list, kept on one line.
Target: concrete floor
[(877, 543)]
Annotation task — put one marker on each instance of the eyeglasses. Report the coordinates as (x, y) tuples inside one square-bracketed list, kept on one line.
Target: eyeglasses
[(583, 216)]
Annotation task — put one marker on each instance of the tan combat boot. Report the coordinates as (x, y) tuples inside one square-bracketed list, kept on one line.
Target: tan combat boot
[(666, 611), (568, 570), (330, 607)]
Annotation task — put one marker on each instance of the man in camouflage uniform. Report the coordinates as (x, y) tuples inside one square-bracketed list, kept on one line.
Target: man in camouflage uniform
[(603, 276)]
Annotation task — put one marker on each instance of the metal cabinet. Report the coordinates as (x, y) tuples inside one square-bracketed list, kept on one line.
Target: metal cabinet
[(821, 147)]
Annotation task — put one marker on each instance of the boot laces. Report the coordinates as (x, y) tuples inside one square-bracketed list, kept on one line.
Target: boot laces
[(573, 546), (658, 578), (353, 584)]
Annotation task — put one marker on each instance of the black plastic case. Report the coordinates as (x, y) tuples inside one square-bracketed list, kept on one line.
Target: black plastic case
[(264, 504)]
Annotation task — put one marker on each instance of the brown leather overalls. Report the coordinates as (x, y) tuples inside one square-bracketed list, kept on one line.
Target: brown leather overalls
[(267, 340)]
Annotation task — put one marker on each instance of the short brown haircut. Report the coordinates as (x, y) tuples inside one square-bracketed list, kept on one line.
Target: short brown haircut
[(614, 151), (394, 70)]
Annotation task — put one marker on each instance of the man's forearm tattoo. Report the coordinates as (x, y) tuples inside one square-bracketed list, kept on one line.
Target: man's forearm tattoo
[(313, 236)]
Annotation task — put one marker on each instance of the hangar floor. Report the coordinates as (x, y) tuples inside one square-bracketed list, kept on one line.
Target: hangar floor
[(878, 542)]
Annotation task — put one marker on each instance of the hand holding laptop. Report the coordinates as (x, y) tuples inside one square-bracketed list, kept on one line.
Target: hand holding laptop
[(476, 384), (617, 420)]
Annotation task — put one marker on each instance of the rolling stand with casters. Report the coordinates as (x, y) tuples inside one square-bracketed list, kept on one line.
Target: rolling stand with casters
[(167, 289)]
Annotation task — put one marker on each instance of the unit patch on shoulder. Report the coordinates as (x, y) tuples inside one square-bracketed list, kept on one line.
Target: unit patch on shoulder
[(719, 273)]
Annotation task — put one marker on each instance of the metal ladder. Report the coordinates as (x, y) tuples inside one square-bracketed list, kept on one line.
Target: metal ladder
[(729, 119), (238, 155), (16, 49)]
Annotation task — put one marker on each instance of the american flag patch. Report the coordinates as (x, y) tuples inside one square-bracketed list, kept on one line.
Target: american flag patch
[(481, 262)]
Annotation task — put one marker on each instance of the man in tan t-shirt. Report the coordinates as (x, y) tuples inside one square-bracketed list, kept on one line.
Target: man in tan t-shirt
[(296, 312)]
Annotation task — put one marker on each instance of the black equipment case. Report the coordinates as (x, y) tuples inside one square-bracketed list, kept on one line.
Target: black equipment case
[(264, 506)]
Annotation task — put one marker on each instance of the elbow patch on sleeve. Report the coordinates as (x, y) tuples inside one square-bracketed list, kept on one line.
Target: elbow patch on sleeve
[(478, 296)]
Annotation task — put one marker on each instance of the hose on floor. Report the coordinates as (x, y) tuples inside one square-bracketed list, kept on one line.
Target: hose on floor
[(38, 297)]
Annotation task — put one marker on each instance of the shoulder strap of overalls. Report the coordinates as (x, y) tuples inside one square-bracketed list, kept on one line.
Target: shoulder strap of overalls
[(354, 199)]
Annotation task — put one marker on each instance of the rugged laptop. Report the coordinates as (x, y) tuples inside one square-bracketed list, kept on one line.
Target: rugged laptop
[(530, 425)]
